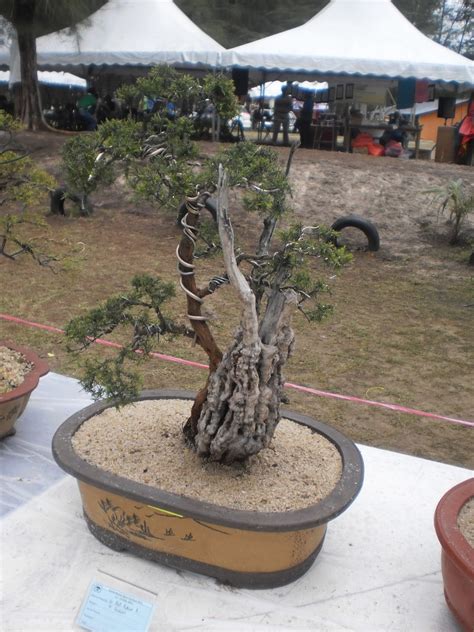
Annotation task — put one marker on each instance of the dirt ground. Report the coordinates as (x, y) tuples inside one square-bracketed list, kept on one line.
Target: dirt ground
[(402, 330)]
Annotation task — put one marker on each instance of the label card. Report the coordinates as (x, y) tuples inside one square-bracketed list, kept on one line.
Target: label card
[(107, 609)]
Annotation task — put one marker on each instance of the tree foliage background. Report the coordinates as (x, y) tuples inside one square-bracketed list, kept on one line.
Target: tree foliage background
[(234, 22), (47, 16)]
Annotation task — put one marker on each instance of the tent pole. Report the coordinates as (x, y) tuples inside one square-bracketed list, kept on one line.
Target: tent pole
[(260, 108)]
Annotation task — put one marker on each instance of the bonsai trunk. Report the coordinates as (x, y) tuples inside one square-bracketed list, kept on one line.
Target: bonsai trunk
[(241, 409)]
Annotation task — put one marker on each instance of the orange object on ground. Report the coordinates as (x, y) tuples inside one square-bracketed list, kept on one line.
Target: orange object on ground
[(365, 140), (376, 150)]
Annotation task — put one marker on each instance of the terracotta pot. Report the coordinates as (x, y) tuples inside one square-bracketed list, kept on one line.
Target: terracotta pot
[(457, 557), (242, 548), (13, 403)]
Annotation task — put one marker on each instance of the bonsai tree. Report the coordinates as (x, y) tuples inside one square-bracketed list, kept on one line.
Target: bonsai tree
[(236, 412), (23, 188)]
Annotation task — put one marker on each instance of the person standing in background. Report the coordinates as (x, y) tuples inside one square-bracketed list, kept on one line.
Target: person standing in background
[(305, 119), (87, 106), (281, 115)]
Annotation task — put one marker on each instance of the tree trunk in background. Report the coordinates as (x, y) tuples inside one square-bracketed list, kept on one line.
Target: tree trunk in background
[(30, 104)]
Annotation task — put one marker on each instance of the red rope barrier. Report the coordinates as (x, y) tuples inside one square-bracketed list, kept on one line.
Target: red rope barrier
[(297, 387)]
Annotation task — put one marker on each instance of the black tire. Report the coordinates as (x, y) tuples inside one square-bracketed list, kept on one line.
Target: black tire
[(211, 206), (366, 226), (60, 195)]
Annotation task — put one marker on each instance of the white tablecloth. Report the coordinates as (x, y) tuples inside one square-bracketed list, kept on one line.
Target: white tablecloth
[(379, 569)]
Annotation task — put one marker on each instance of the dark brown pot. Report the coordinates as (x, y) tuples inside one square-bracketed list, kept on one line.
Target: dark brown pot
[(13, 403), (457, 556), (243, 548)]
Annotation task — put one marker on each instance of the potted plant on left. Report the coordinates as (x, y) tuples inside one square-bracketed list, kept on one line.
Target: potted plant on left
[(22, 186), (20, 371)]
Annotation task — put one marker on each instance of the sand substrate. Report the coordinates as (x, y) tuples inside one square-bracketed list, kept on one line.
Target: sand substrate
[(13, 368), (144, 442), (466, 521)]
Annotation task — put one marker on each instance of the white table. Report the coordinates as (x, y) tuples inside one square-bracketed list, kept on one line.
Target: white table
[(379, 569)]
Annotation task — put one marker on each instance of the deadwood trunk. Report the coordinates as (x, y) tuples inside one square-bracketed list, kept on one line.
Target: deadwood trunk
[(242, 407)]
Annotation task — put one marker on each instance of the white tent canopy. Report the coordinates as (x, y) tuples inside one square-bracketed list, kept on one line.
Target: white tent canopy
[(51, 78), (272, 89), (368, 38), (130, 33)]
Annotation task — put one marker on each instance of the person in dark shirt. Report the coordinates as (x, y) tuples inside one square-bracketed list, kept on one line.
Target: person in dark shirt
[(305, 119)]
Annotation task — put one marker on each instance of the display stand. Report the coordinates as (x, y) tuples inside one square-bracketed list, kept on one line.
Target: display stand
[(379, 570)]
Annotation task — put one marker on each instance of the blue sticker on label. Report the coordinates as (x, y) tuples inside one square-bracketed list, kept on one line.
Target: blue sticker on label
[(106, 609)]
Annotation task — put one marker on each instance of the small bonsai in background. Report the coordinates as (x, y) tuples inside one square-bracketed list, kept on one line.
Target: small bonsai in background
[(236, 412), (24, 187), (131, 145)]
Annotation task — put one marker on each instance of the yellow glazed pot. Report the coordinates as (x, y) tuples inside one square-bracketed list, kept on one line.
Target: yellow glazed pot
[(243, 548)]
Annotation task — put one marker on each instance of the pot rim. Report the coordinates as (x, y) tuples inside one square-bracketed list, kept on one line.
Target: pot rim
[(446, 525), (40, 368), (320, 513)]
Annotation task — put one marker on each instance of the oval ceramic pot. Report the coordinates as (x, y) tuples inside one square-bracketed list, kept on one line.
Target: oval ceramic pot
[(457, 556), (242, 548), (13, 403)]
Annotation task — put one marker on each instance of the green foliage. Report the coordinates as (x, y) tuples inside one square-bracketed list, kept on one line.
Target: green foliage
[(220, 90), (79, 155), (121, 138), (162, 82), (157, 159), (458, 200), (8, 123), (147, 293), (256, 168), (22, 182), (89, 159), (24, 188), (163, 181), (292, 265), (167, 83), (208, 243), (141, 309), (179, 137), (128, 94), (113, 378)]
